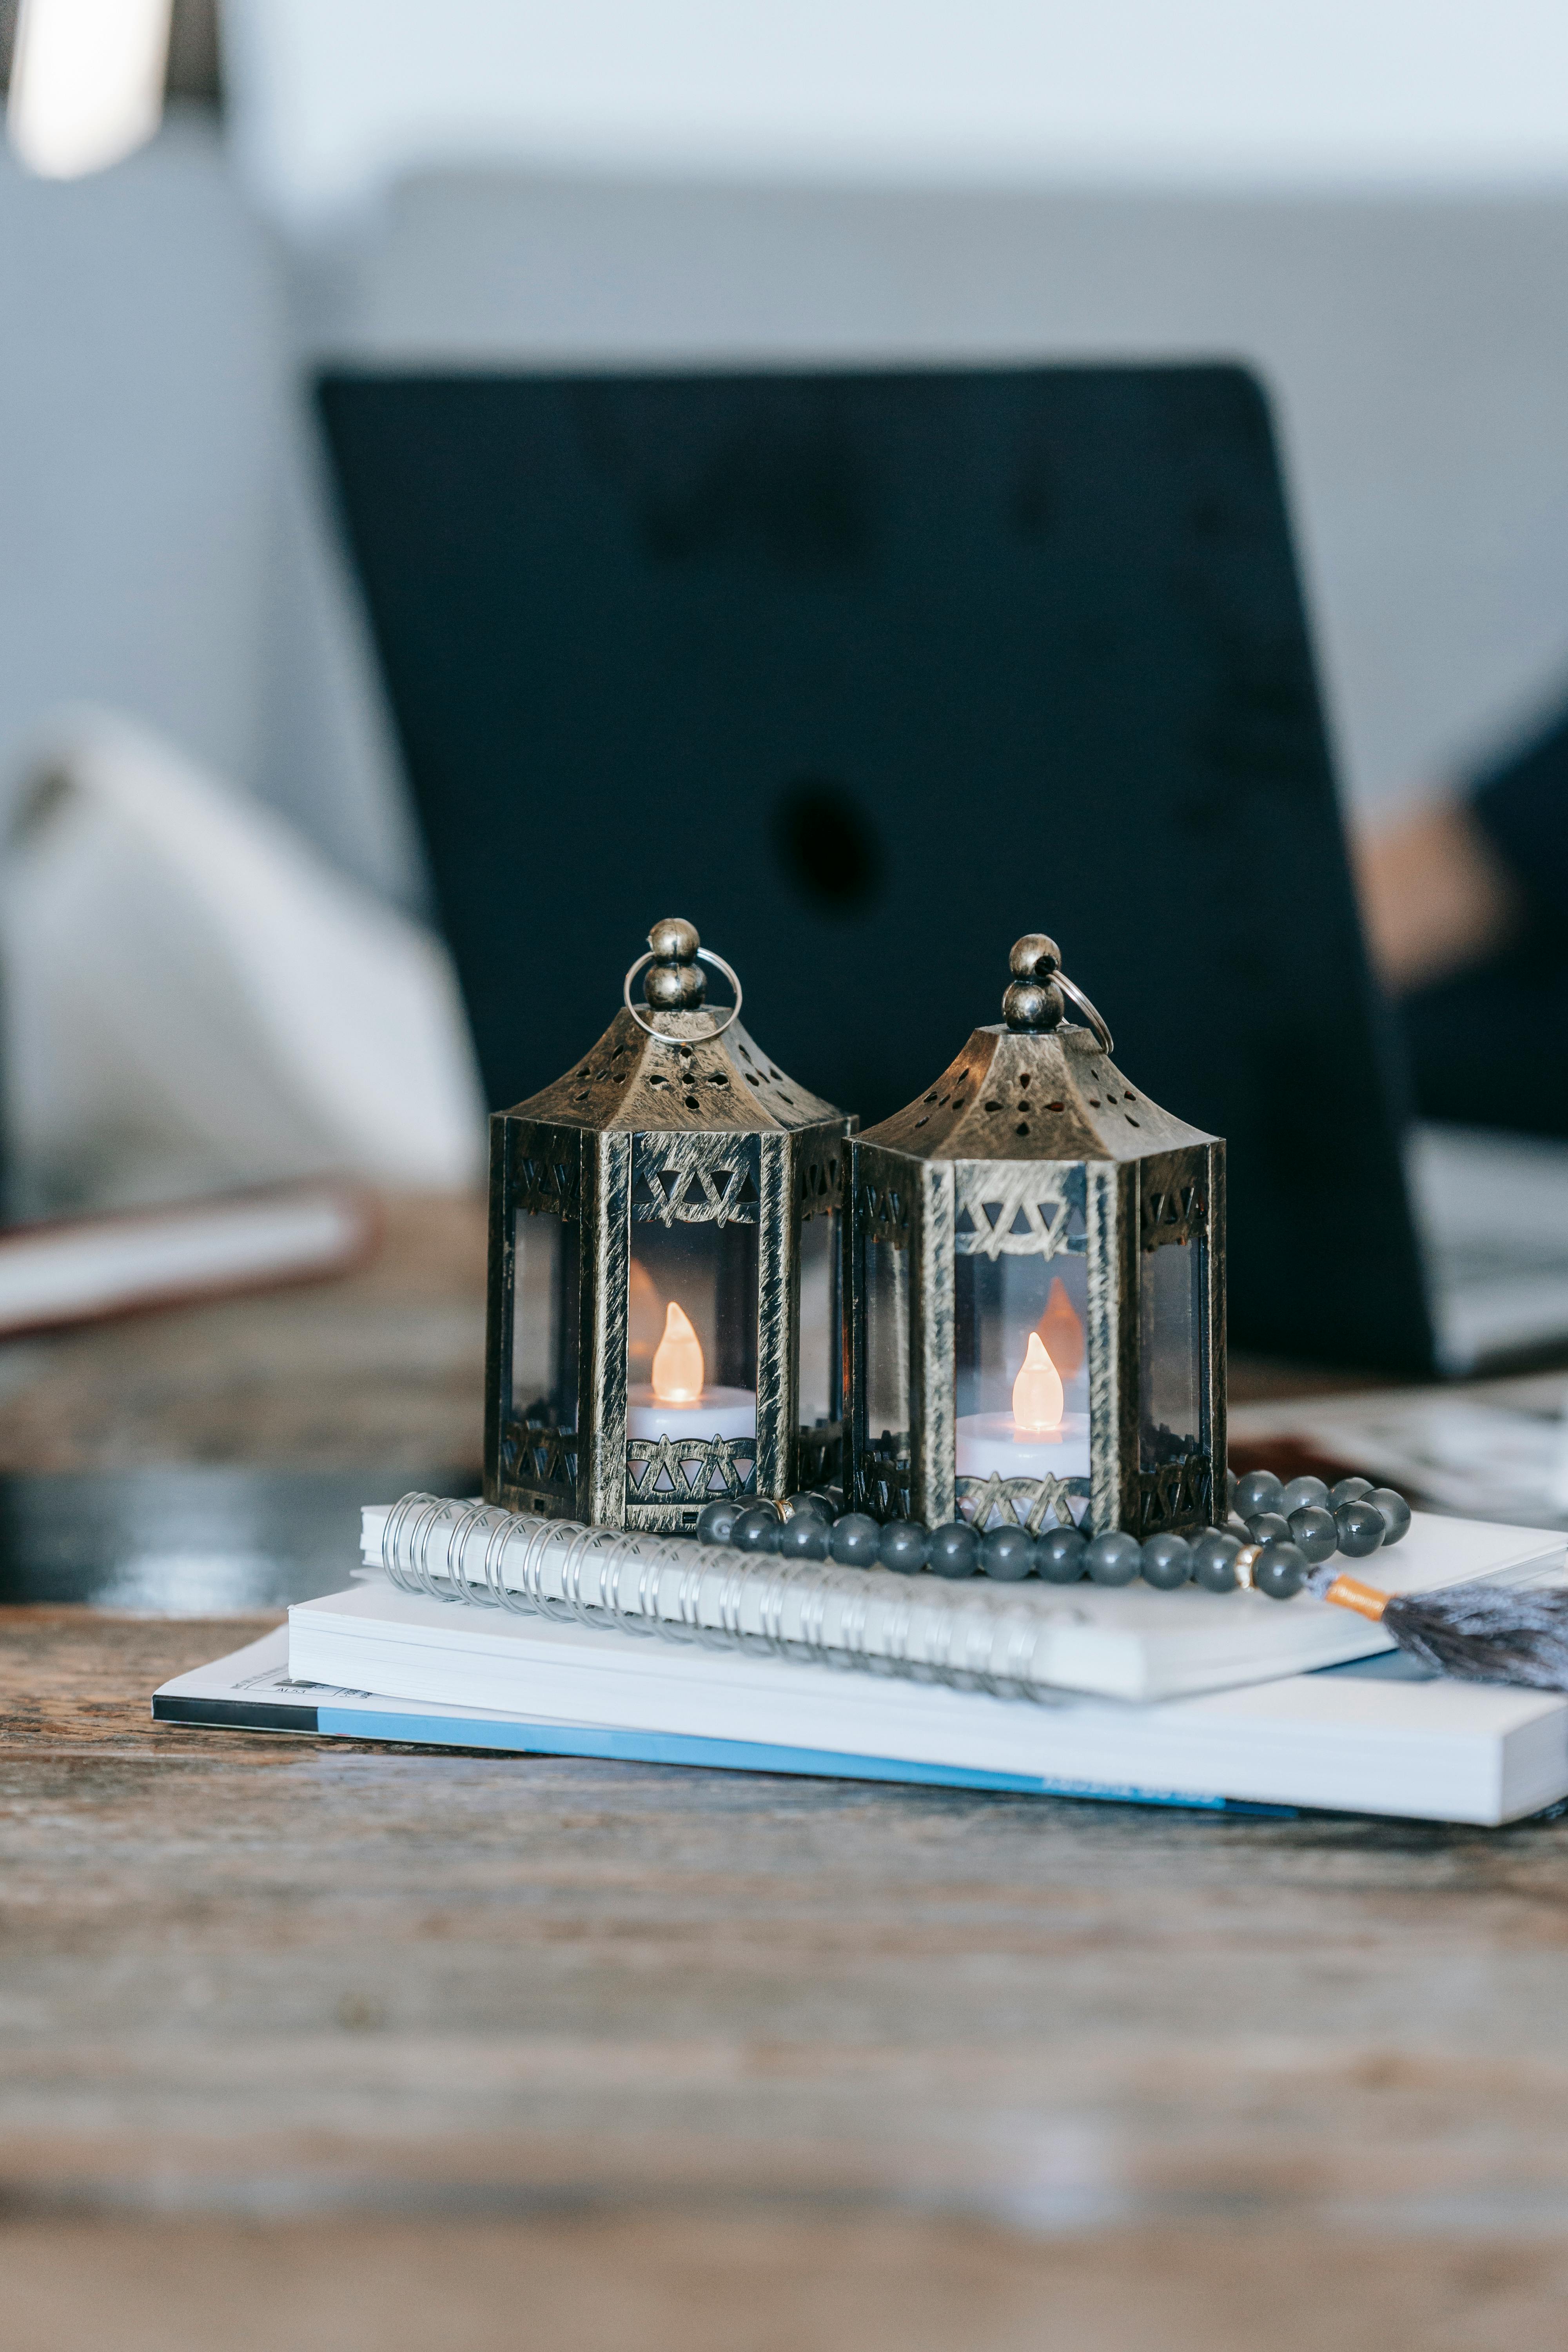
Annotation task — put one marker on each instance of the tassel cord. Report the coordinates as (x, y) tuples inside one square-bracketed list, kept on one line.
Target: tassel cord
[(1480, 1633)]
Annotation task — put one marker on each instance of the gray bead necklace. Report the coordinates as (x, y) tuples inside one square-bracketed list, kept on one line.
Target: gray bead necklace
[(1286, 1531)]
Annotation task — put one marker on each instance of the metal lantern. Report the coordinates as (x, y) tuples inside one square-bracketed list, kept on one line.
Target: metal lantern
[(664, 1321), (1037, 1288)]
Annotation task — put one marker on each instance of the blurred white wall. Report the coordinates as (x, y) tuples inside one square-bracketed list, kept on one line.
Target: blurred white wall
[(163, 544), (1368, 202), (337, 99), (142, 405)]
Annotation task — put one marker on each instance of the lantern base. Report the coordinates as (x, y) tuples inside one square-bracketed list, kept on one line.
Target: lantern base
[(991, 1444)]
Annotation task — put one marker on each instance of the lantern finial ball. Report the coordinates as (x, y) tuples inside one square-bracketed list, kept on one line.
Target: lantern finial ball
[(1028, 1005), (674, 987), (1035, 957), (674, 942), (677, 981), (1032, 1001)]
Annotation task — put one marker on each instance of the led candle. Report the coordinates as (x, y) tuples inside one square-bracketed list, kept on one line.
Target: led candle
[(1037, 1439), (677, 1402), (1038, 1397)]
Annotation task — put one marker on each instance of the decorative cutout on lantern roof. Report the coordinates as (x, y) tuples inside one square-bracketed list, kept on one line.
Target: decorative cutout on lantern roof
[(684, 1076), (1033, 1094)]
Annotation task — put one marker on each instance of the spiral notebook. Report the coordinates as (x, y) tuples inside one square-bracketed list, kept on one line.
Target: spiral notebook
[(1029, 1638)]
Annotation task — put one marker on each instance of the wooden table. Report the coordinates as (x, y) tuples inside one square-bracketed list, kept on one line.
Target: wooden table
[(305, 2044), (366, 1373)]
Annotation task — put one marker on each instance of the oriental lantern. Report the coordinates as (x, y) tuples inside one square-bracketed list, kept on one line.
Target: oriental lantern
[(663, 1317), (1037, 1288)]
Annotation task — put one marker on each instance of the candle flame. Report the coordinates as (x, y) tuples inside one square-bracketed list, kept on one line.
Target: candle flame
[(645, 1316), (678, 1370), (1037, 1391), (1061, 1329)]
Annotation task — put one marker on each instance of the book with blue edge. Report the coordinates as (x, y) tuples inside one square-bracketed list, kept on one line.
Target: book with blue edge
[(1373, 1736)]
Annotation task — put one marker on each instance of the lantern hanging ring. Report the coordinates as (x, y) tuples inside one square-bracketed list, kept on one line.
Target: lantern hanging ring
[(705, 955), (1096, 1020)]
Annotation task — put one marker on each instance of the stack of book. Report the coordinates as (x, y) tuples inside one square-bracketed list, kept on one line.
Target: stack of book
[(465, 1628)]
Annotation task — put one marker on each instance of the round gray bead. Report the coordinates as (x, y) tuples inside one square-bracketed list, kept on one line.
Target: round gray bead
[(1349, 1490), (1114, 1558), (1362, 1528), (804, 1537), (1279, 1571), (855, 1541), (1007, 1554), (1257, 1490), (716, 1523), (813, 1502), (953, 1549), (1394, 1511), (1214, 1560), (903, 1547), (1314, 1531), (1300, 1493), (756, 1529), (1167, 1561), (1266, 1527), (1060, 1555)]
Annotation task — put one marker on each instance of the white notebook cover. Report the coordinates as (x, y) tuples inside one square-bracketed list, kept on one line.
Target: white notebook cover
[(1128, 1642)]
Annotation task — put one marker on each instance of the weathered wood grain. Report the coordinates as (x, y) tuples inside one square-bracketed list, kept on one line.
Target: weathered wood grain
[(775, 2282), (250, 1975), (73, 1684), (318, 2045), (382, 1368)]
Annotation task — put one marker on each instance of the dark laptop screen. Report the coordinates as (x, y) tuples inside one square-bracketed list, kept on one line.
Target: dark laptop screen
[(867, 673)]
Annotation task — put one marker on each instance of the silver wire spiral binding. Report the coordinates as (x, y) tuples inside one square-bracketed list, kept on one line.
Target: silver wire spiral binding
[(405, 1545), (684, 1592)]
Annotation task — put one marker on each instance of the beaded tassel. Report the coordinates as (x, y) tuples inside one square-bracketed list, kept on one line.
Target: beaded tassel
[(1482, 1632)]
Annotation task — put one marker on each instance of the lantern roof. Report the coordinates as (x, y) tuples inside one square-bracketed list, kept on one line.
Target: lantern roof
[(675, 1066), (1034, 1085)]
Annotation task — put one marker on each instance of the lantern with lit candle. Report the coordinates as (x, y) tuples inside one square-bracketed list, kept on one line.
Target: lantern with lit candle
[(665, 1324), (1037, 1288)]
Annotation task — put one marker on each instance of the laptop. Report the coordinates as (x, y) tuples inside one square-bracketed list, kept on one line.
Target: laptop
[(867, 673)]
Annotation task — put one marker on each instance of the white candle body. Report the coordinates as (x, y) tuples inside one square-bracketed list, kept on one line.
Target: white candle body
[(991, 1441), (718, 1412)]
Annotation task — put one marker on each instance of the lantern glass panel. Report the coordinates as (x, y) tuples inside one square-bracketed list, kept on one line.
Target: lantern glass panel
[(821, 1365), (546, 1290), (709, 1272), (1173, 1305), (999, 1304), (887, 1345), (1020, 1362)]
